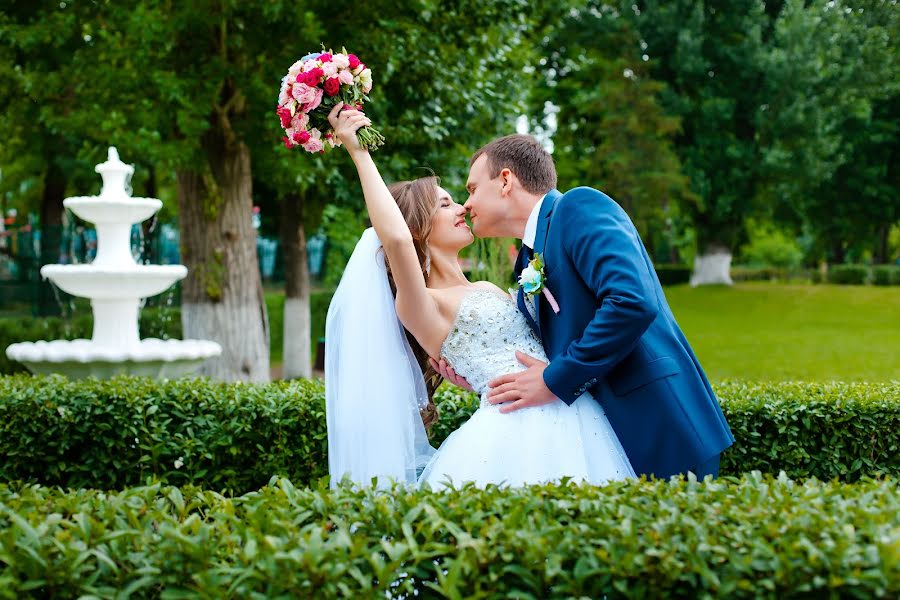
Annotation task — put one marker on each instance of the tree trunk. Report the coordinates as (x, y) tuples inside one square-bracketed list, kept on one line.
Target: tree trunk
[(297, 327), (838, 253), (52, 210), (222, 296), (881, 249), (712, 266)]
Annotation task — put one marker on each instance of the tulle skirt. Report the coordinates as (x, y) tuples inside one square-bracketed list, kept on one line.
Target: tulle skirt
[(531, 445)]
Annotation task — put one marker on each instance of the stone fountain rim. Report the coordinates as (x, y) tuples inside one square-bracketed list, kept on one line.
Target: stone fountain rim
[(149, 350), (122, 200), (95, 269)]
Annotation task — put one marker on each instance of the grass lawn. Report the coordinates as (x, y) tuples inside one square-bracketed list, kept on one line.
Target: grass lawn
[(755, 331), (764, 331)]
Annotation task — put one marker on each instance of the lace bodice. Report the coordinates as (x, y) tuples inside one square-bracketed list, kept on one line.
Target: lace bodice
[(484, 338)]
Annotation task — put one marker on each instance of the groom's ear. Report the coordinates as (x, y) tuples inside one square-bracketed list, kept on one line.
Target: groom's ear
[(506, 181)]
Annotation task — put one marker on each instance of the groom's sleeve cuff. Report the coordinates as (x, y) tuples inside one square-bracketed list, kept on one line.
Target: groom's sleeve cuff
[(560, 383)]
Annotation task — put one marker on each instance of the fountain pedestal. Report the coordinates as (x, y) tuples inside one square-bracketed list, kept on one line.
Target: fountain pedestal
[(115, 284)]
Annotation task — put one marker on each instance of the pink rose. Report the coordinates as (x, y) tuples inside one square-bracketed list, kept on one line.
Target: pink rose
[(285, 115), (313, 146), (354, 62), (287, 143), (325, 57), (300, 121), (315, 102), (284, 97), (345, 77), (303, 94), (301, 137), (332, 86)]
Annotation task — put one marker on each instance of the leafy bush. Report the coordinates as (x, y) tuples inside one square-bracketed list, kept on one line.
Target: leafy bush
[(848, 274), (154, 322), (673, 274), (128, 431), (758, 273), (886, 275), (118, 433), (753, 537), (770, 246)]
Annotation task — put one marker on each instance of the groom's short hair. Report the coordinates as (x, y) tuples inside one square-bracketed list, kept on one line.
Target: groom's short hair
[(524, 156)]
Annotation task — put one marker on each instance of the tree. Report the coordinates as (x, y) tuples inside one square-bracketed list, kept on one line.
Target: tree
[(188, 86), (441, 88), (711, 58), (829, 132), (39, 77), (611, 131)]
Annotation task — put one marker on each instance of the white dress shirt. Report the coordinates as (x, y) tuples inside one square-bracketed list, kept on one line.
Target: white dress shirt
[(531, 224)]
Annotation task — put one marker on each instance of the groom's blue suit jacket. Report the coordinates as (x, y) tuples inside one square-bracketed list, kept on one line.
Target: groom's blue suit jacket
[(616, 337)]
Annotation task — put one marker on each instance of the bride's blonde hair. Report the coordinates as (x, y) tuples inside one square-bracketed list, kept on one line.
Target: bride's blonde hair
[(418, 202)]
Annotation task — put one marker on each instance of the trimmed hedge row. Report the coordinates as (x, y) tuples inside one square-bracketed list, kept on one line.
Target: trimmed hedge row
[(848, 274), (127, 431), (673, 274), (753, 537), (862, 274), (886, 275)]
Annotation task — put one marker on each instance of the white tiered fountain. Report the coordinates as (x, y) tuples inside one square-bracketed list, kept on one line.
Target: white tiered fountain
[(115, 285)]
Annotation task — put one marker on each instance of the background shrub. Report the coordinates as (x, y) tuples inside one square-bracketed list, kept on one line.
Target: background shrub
[(886, 275), (235, 437), (673, 274), (848, 274)]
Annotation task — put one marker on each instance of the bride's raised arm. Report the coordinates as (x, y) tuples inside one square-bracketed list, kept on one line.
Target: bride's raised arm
[(415, 307)]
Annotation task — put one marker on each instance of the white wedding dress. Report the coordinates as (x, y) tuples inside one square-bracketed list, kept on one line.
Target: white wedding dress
[(531, 445)]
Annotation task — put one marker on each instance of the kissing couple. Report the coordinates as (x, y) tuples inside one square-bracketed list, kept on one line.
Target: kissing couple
[(582, 370)]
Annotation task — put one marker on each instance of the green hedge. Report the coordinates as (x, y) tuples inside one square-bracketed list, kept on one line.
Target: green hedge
[(154, 322), (754, 537), (236, 436), (848, 274), (122, 432), (673, 274), (886, 275)]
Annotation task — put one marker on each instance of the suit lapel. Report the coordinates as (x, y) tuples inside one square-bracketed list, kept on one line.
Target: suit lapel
[(543, 225), (540, 240)]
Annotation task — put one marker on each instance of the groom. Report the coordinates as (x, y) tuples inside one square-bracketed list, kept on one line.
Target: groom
[(605, 324)]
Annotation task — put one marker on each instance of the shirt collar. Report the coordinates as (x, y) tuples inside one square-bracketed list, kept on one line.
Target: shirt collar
[(531, 225)]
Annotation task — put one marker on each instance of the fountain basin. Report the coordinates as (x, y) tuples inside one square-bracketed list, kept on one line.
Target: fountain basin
[(114, 282), (101, 211), (78, 359)]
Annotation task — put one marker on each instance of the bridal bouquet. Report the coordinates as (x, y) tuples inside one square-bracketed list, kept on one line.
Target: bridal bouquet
[(312, 87)]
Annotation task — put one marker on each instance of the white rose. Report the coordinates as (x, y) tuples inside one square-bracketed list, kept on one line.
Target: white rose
[(530, 279), (341, 60), (330, 69), (365, 80)]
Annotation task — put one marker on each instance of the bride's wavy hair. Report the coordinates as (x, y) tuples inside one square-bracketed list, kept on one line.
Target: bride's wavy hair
[(418, 202)]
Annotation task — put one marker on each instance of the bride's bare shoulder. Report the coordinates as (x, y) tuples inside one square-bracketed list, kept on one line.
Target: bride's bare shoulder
[(490, 287)]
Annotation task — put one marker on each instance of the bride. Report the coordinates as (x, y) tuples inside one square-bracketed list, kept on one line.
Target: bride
[(403, 299)]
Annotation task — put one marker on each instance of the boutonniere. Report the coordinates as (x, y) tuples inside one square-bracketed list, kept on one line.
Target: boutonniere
[(531, 280)]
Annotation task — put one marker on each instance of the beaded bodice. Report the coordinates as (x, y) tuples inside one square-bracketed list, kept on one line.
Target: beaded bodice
[(484, 338)]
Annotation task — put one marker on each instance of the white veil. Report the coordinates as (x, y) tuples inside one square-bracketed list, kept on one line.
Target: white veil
[(374, 387)]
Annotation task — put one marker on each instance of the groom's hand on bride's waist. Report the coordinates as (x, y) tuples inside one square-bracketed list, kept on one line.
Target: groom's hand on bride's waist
[(523, 389)]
